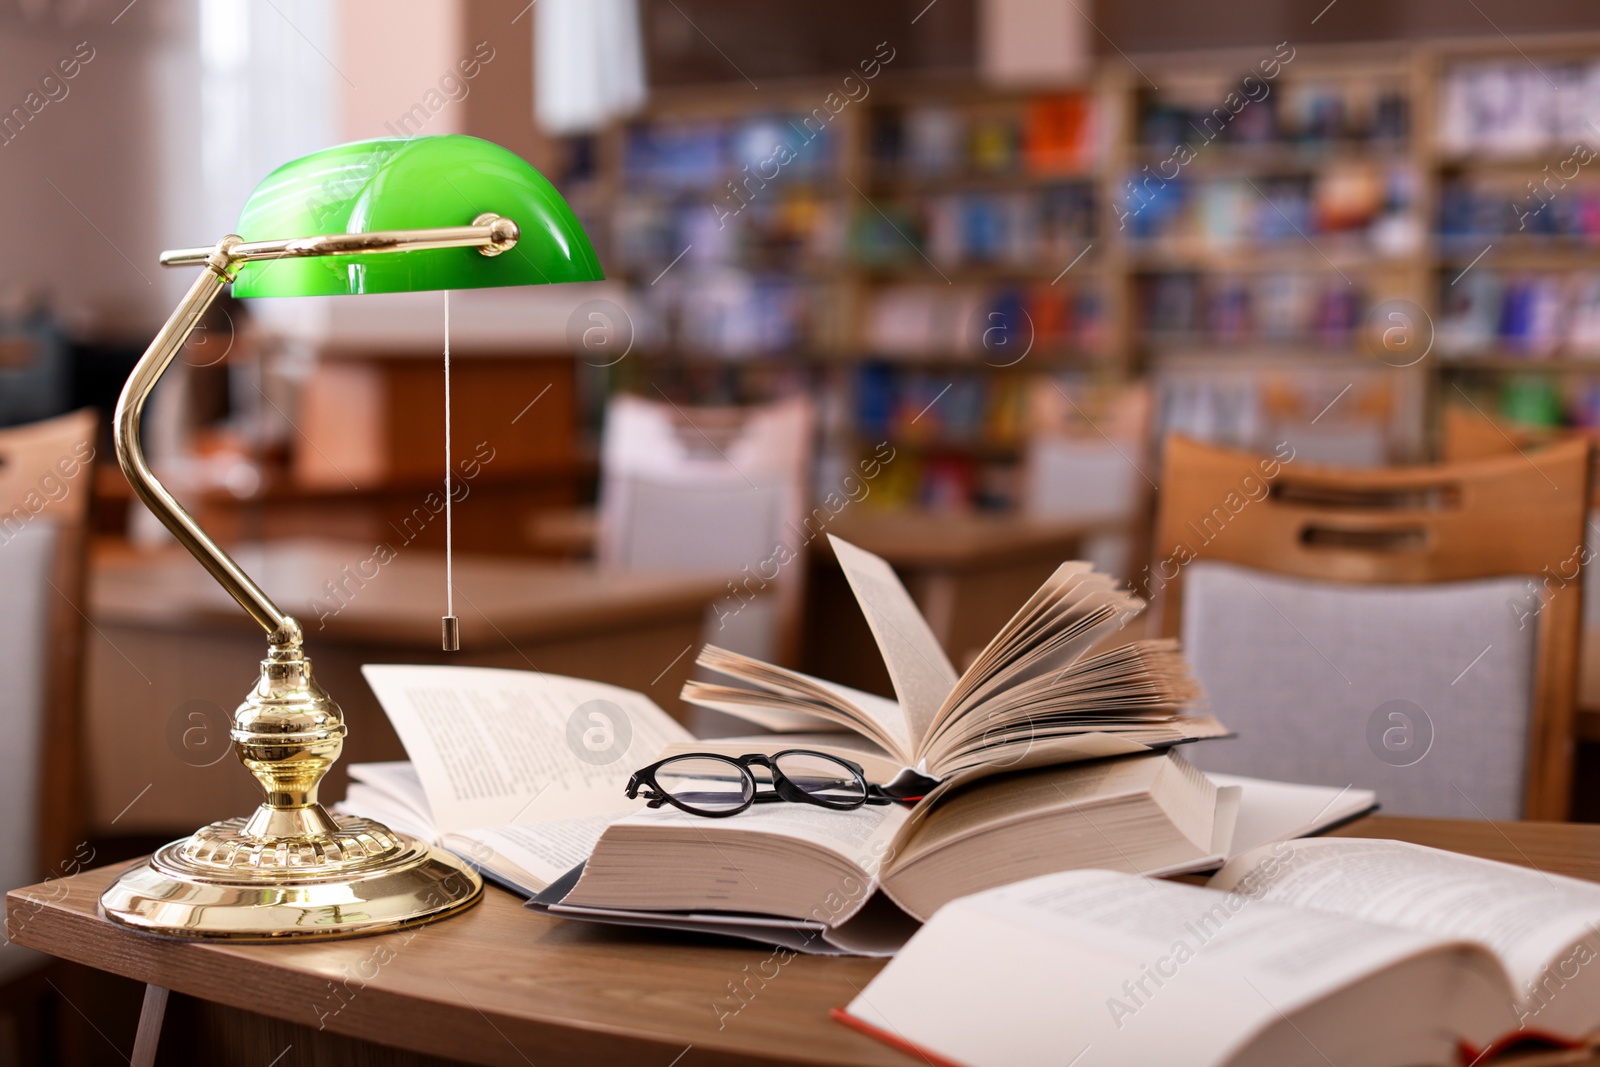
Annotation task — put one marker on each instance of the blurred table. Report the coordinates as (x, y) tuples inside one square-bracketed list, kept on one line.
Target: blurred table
[(969, 573), (170, 654), (502, 985)]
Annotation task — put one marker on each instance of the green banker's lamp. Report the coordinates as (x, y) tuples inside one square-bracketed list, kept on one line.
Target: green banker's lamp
[(384, 216)]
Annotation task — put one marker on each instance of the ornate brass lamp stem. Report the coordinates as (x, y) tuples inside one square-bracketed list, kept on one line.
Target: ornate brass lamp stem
[(291, 869)]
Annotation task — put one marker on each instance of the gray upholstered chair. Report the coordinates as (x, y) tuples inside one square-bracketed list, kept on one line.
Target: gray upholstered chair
[(1408, 630), (716, 490)]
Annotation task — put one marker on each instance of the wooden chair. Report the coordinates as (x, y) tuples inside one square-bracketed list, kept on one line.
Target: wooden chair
[(1336, 570), (1468, 433), (46, 476)]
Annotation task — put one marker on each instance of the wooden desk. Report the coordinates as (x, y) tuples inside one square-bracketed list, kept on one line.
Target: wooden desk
[(169, 645), (968, 573), (501, 985)]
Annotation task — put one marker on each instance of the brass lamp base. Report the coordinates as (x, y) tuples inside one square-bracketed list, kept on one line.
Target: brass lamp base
[(361, 879), (291, 870)]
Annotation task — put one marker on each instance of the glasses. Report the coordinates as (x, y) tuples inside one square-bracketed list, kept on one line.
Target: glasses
[(719, 786)]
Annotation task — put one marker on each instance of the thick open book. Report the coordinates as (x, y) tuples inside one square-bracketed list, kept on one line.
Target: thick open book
[(1361, 953), (520, 772), (1053, 685), (516, 771), (820, 881)]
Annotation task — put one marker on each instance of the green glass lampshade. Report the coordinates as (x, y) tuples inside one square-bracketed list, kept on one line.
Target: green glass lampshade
[(411, 184)]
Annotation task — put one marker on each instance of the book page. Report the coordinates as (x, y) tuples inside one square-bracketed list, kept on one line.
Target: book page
[(879, 767), (397, 782), (1280, 811), (1099, 968), (802, 702), (860, 836), (1526, 917), (967, 805), (545, 851), (1028, 618), (370, 802), (495, 747), (921, 672)]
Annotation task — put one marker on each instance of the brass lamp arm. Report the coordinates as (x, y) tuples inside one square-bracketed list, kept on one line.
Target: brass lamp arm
[(489, 234)]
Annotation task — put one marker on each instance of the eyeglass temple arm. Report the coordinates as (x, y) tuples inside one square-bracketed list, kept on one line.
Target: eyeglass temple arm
[(489, 234)]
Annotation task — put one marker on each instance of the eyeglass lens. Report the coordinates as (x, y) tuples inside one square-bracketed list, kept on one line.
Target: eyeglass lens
[(705, 783), (824, 779)]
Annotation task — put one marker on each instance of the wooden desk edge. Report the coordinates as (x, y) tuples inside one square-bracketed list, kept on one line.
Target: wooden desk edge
[(425, 1024), (61, 918)]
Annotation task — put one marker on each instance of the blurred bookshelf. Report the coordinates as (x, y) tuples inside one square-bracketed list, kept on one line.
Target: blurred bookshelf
[(1271, 201), (1235, 228), (910, 260), (1516, 260)]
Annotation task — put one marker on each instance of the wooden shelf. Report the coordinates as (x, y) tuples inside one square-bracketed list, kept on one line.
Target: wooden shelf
[(1520, 365), (890, 185), (1520, 164), (920, 271), (1273, 158), (1324, 253), (1287, 353), (1039, 359), (1513, 253)]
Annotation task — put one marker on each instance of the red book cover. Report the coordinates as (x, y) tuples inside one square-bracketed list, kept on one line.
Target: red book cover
[(894, 1041)]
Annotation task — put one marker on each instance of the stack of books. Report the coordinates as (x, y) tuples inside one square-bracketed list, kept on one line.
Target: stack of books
[(1055, 750)]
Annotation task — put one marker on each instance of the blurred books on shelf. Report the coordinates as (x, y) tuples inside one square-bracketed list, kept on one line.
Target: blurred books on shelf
[(1517, 277), (958, 432), (1368, 207), (1039, 227), (1334, 413), (1508, 106), (1000, 134), (995, 325), (938, 245), (1517, 315), (1314, 114), (1276, 309), (1539, 218)]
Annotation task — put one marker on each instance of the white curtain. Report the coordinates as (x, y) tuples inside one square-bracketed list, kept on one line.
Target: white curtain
[(588, 63), (268, 85)]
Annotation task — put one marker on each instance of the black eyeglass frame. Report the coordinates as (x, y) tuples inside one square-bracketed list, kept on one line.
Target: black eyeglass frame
[(782, 788)]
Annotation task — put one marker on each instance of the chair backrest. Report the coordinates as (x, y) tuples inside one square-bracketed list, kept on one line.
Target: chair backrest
[(1454, 699), (46, 482), (718, 490)]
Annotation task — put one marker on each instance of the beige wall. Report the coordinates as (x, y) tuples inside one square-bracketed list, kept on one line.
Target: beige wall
[(78, 186), (394, 54)]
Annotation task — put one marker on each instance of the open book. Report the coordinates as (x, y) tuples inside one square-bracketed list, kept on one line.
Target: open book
[(1363, 953), (516, 771), (796, 863), (1052, 686)]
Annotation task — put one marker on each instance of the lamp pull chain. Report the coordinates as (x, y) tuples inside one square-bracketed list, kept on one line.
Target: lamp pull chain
[(452, 625)]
